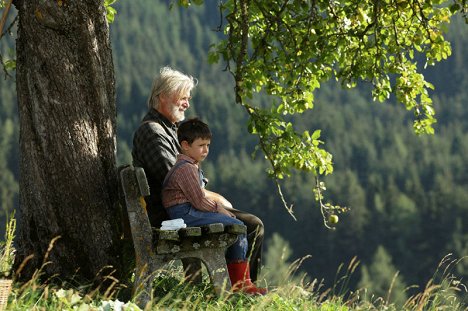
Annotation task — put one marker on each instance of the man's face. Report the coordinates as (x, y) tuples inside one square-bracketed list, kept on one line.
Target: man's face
[(173, 107)]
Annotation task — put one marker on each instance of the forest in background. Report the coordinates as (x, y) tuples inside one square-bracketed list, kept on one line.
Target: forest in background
[(407, 194)]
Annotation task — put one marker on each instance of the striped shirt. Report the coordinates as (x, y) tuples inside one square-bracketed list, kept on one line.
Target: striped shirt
[(183, 186)]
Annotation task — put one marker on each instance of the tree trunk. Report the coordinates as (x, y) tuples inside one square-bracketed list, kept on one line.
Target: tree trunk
[(66, 100)]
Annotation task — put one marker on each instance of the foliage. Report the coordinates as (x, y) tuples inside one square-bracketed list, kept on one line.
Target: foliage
[(110, 11), (383, 280), (277, 266), (8, 182), (287, 49), (7, 249)]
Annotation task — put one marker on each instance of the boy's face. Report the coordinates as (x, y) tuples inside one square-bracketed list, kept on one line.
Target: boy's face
[(198, 150)]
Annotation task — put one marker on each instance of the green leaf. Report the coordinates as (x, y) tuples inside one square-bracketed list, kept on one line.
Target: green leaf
[(316, 134), (110, 11), (10, 64)]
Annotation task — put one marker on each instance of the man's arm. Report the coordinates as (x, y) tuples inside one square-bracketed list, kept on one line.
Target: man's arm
[(218, 198), (222, 202), (154, 150)]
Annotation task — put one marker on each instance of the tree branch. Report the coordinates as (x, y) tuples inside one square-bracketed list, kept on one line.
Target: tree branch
[(4, 16)]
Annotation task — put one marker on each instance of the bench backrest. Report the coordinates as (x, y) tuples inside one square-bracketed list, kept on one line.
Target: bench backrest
[(135, 188)]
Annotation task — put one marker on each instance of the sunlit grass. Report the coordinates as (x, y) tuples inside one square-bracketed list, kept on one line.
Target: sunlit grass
[(444, 291)]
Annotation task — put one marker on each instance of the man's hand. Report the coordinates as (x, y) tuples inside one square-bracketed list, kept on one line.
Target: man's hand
[(218, 198), (225, 203), (222, 210)]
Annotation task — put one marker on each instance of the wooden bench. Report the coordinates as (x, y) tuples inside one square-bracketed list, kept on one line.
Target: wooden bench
[(154, 248)]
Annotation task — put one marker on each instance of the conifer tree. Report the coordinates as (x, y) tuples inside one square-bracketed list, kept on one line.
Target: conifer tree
[(381, 280)]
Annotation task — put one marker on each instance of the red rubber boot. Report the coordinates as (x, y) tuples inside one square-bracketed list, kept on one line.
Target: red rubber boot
[(239, 273)]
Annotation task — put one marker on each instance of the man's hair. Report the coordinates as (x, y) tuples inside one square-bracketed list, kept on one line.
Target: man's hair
[(170, 82), (193, 129)]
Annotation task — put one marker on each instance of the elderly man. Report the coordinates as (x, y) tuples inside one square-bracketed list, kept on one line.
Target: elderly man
[(155, 149)]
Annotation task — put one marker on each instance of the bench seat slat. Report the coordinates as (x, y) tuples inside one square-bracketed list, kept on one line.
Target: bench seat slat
[(190, 231), (212, 228), (171, 235), (236, 229)]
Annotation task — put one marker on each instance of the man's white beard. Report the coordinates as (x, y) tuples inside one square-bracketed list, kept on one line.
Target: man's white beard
[(178, 115)]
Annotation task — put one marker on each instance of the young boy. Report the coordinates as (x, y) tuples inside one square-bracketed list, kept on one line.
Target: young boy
[(184, 197)]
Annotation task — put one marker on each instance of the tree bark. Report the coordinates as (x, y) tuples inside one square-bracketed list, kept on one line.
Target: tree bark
[(66, 101)]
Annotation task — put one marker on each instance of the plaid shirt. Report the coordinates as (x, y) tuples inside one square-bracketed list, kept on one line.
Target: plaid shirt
[(183, 185), (155, 148)]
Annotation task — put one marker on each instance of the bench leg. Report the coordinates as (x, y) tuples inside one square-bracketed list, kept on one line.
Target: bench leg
[(215, 262)]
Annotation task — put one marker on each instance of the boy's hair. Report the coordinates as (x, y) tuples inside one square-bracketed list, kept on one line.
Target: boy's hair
[(192, 129)]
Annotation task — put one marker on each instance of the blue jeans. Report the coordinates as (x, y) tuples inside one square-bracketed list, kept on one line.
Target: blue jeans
[(193, 218)]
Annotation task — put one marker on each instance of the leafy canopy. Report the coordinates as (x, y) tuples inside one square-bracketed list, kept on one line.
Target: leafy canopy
[(286, 49)]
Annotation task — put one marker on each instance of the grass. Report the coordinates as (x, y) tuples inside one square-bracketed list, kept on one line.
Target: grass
[(443, 292), (7, 250)]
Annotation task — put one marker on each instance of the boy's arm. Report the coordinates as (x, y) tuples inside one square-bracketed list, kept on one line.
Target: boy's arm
[(186, 181)]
